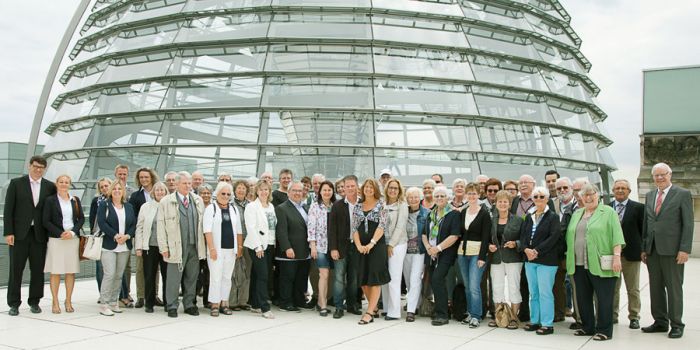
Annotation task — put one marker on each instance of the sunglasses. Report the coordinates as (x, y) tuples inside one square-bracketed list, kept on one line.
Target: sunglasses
[(539, 197)]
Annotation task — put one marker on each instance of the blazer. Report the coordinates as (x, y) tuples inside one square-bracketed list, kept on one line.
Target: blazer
[(212, 223), (109, 224), (20, 210), (449, 226), (257, 226), (93, 212), (169, 238), (511, 232), (603, 233), (421, 222), (339, 228), (144, 224), (673, 225), (632, 226), (547, 239), (397, 218), (291, 232), (53, 216), (479, 230), (137, 199)]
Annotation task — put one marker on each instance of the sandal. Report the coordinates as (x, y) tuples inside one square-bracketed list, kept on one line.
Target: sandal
[(531, 327), (545, 330), (214, 312), (69, 307), (244, 307), (600, 337), (225, 310), (493, 324), (55, 308), (236, 308), (324, 312), (362, 320), (513, 324), (582, 333), (410, 317)]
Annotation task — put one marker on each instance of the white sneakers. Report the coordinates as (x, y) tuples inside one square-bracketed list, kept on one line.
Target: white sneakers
[(105, 310), (115, 308), (268, 315)]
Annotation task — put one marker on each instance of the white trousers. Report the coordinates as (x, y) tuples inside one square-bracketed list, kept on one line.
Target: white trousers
[(499, 273), (413, 266), (220, 271), (391, 292)]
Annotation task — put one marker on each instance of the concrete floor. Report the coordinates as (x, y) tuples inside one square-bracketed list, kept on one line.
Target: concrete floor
[(134, 329)]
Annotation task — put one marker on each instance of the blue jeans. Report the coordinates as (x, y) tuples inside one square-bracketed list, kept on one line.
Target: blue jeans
[(345, 281), (471, 275), (540, 280)]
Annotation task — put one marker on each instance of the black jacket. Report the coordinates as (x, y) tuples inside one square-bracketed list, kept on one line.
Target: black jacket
[(479, 230), (53, 216), (20, 210), (546, 240), (137, 199), (511, 232), (449, 226), (632, 226), (339, 228), (516, 202), (291, 232), (109, 224)]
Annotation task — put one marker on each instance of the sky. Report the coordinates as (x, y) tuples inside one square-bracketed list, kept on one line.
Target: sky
[(621, 38)]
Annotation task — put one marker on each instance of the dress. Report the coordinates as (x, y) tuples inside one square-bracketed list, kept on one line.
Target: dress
[(373, 267)]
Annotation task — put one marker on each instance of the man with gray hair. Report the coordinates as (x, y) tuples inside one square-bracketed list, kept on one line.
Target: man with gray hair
[(667, 242), (169, 180), (316, 180), (197, 180), (181, 242), (267, 177)]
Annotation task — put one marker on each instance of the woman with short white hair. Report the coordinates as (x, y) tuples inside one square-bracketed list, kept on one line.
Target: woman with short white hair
[(459, 199), (224, 235)]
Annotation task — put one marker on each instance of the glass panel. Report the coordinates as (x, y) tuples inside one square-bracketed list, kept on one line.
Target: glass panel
[(511, 167), (211, 128), (423, 131), (72, 168), (500, 71), (499, 42), (131, 98), (101, 162), (219, 60), (516, 138), (494, 14), (505, 107), (61, 141), (160, 34), (559, 57), (332, 162), (76, 82), (124, 71), (321, 25), (4, 150), (215, 92), (576, 146), (209, 5), (240, 162), (75, 107), (225, 27), (419, 7), (320, 128), (152, 9), (424, 97), (571, 119), (317, 58), (325, 3), (414, 166), (567, 86), (318, 92), (92, 48), (548, 29), (112, 132), (422, 62), (413, 30)]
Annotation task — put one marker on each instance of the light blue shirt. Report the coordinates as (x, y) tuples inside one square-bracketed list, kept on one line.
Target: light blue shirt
[(301, 210)]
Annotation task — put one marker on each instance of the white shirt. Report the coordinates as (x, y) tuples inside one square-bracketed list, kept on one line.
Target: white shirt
[(36, 189), (121, 217), (665, 192), (147, 195), (624, 207), (67, 213)]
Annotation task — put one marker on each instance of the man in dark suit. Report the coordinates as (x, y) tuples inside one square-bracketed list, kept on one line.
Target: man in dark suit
[(631, 215), (667, 240), (25, 235), (342, 250), (292, 250)]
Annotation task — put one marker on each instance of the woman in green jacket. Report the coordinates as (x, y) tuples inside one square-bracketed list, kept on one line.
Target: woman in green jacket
[(594, 242)]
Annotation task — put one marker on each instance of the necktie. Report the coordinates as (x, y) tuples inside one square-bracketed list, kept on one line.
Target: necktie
[(186, 202), (659, 199), (620, 210)]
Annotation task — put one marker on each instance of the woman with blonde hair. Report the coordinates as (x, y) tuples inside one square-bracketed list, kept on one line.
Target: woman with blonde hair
[(63, 219), (396, 237)]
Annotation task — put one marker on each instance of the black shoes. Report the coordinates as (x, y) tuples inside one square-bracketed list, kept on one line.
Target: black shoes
[(355, 311), (531, 327), (575, 326), (35, 309), (389, 318), (655, 328), (338, 313), (14, 311), (159, 302), (149, 309), (290, 309), (192, 310), (139, 303), (675, 333), (634, 324), (440, 322), (172, 313)]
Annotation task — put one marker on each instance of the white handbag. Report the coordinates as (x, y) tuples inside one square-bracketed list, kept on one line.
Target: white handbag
[(93, 247)]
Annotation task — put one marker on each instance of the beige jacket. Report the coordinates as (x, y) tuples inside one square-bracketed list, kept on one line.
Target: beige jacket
[(144, 224), (169, 239)]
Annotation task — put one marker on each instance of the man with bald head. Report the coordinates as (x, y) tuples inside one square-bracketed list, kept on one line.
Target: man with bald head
[(667, 242)]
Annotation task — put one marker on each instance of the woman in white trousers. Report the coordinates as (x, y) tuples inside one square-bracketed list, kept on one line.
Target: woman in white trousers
[(395, 235), (414, 262), (224, 236)]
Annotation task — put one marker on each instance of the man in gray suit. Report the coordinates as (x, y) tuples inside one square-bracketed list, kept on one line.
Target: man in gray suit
[(667, 240)]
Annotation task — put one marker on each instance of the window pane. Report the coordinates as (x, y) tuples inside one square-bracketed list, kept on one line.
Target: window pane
[(219, 60), (507, 167), (209, 5), (211, 128), (320, 25), (123, 132), (225, 27), (215, 92), (317, 58), (412, 30), (318, 92), (516, 138), (320, 128), (61, 141), (136, 38), (332, 162), (505, 107), (130, 98), (505, 72), (423, 131), (237, 161), (422, 62), (413, 166), (420, 7), (101, 162), (424, 97), (324, 3), (503, 43)]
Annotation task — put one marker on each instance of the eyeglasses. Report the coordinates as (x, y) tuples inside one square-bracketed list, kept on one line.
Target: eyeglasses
[(562, 188), (491, 190), (659, 175), (539, 197), (224, 194)]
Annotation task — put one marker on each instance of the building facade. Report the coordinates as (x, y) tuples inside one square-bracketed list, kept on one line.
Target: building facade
[(458, 87)]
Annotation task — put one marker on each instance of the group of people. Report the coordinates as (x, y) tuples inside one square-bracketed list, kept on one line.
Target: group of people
[(523, 253)]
